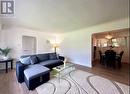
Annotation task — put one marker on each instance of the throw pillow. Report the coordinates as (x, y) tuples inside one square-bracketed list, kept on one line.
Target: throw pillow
[(33, 60), (42, 57), (25, 60), (53, 56)]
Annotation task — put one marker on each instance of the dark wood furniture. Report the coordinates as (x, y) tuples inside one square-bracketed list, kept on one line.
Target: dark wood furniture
[(111, 57), (6, 63), (119, 58), (101, 56)]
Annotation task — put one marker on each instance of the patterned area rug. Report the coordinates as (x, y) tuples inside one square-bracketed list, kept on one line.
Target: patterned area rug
[(80, 82)]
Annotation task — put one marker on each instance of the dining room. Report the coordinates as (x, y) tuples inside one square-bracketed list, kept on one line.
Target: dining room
[(111, 49), (110, 54)]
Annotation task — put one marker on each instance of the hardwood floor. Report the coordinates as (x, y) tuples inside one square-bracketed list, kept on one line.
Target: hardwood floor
[(9, 84), (120, 75)]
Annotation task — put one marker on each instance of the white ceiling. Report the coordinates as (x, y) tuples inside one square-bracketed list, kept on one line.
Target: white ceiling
[(66, 15)]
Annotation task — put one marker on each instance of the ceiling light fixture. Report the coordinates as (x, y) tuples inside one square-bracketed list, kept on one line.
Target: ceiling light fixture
[(108, 36)]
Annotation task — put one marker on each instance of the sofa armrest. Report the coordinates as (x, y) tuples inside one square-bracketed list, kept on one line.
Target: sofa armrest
[(62, 58), (20, 71)]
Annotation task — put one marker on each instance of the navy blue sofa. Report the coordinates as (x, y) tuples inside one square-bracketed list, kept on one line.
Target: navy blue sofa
[(48, 60)]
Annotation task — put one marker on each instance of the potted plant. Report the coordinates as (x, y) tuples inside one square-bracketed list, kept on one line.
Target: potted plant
[(4, 52)]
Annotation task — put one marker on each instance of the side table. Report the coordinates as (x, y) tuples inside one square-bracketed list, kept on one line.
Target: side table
[(6, 63)]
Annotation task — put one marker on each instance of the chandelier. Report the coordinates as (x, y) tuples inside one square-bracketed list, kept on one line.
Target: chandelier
[(108, 36)]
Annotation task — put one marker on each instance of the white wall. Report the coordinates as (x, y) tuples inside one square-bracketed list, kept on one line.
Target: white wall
[(0, 35), (2, 39), (76, 46), (13, 38)]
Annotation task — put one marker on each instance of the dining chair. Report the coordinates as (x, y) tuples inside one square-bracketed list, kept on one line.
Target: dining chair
[(119, 58), (110, 59), (101, 57)]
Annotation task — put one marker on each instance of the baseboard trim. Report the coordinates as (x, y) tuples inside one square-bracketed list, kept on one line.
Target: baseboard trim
[(78, 63)]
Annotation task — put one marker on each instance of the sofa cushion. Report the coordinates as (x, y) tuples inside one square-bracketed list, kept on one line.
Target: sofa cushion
[(33, 71), (53, 56), (33, 59), (25, 60), (50, 62), (42, 57)]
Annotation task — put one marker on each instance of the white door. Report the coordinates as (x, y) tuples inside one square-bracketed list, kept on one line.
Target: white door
[(28, 45)]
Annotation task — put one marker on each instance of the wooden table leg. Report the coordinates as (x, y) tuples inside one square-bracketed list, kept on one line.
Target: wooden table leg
[(6, 67), (11, 64)]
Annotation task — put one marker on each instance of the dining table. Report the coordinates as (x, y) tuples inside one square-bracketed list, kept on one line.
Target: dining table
[(116, 57)]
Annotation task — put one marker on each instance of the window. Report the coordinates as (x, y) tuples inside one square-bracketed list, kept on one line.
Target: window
[(115, 43), (105, 43), (102, 43)]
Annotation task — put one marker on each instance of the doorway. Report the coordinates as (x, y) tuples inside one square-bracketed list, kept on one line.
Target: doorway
[(28, 45), (119, 41)]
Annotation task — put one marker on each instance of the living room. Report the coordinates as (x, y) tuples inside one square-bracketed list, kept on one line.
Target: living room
[(71, 25)]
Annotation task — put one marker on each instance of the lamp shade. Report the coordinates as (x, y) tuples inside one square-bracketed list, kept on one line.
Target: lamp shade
[(55, 45)]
